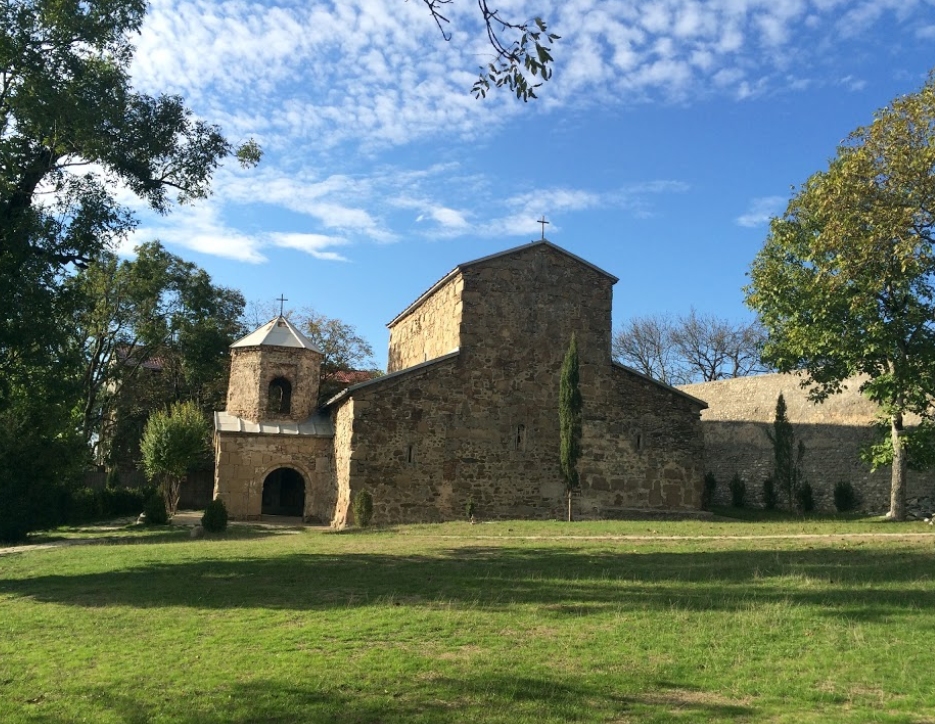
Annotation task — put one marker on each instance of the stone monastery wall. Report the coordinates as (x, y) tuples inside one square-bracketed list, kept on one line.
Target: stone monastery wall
[(253, 370), (482, 424), (741, 412), (247, 459), (431, 329)]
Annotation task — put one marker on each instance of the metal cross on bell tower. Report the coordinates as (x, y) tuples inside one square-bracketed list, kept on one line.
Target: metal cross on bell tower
[(282, 300)]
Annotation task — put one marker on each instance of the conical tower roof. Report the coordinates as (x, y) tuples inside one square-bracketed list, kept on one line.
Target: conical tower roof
[(278, 332)]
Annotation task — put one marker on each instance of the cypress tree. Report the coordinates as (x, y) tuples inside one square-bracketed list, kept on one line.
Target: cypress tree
[(569, 416)]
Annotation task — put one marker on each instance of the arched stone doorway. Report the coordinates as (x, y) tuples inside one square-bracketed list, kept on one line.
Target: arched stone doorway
[(284, 493)]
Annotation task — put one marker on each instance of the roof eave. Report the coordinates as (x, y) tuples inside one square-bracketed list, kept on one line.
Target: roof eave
[(701, 403)]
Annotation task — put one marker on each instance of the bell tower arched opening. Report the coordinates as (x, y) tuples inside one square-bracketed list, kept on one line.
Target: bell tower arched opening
[(284, 493), (279, 398)]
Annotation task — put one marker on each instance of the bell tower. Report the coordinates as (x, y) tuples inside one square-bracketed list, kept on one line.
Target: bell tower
[(274, 374)]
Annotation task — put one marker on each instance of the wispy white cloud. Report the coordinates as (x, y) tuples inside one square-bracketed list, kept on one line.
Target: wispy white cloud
[(761, 210), (316, 245), (326, 86), (378, 74)]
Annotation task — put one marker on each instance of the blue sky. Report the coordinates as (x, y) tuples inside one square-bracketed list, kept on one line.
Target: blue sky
[(671, 131)]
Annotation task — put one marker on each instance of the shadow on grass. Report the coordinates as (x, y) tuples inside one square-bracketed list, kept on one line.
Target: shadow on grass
[(488, 696), (132, 534), (860, 583)]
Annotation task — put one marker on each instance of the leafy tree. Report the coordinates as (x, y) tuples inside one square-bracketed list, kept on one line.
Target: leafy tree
[(844, 283), (152, 319), (569, 416), (173, 442), (518, 61), (41, 452), (343, 349), (691, 348), (67, 108), (787, 458)]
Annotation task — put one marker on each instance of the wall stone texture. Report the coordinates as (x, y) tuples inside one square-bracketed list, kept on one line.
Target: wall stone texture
[(741, 412), (243, 461), (482, 425), (252, 370), (470, 410), (430, 329)]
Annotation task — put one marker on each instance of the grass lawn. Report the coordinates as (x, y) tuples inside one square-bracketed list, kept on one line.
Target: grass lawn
[(727, 621)]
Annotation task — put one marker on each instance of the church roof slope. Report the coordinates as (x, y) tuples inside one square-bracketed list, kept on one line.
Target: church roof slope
[(542, 243), (279, 332), (681, 393)]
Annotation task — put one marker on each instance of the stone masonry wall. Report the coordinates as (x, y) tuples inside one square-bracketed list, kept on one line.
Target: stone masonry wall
[(483, 425), (252, 370), (430, 330), (741, 412), (242, 462), (343, 419)]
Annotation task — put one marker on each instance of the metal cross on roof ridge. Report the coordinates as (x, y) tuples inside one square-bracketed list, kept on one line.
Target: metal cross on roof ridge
[(282, 300), (543, 222)]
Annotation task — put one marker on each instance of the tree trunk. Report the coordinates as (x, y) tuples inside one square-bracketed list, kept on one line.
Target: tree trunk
[(569, 505), (171, 492), (898, 484)]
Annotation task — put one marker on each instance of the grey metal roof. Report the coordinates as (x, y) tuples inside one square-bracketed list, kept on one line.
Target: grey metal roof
[(279, 332), (542, 242), (318, 425)]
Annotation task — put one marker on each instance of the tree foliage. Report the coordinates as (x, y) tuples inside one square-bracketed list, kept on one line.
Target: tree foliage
[(844, 283), (569, 417), (522, 50), (343, 349), (154, 326), (691, 348), (173, 442), (72, 129), (787, 456)]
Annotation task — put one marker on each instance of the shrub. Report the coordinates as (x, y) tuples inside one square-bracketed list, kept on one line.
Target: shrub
[(155, 510), (214, 519), (770, 497), (470, 509), (845, 497), (363, 508), (124, 501), (707, 492), (804, 500), (84, 505), (738, 491)]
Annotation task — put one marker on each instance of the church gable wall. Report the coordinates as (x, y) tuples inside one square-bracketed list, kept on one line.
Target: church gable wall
[(523, 308), (430, 330), (244, 460), (427, 443), (643, 445)]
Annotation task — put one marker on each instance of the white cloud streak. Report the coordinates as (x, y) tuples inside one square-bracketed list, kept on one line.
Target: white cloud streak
[(761, 210)]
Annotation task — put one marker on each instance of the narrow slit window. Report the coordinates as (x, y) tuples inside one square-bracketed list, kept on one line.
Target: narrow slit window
[(411, 454), (639, 441), (280, 396), (519, 440)]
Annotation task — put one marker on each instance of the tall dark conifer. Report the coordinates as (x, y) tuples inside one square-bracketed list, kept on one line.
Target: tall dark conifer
[(569, 415)]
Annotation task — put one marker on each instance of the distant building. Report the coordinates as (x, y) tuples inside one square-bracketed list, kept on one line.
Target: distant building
[(468, 410)]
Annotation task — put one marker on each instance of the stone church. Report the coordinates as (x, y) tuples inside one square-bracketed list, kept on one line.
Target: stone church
[(467, 412)]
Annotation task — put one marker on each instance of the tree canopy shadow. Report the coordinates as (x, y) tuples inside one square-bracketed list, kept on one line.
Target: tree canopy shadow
[(484, 696), (859, 583)]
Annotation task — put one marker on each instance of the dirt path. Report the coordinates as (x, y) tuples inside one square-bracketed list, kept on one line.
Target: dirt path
[(189, 520)]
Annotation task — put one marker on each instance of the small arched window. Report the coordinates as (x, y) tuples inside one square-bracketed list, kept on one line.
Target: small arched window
[(280, 397)]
